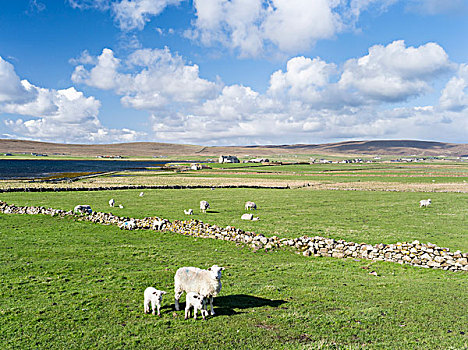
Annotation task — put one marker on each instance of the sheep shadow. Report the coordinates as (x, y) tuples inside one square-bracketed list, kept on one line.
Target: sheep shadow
[(225, 305)]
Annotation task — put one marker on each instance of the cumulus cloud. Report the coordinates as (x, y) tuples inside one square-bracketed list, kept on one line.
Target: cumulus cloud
[(395, 72), (136, 13), (158, 79), (454, 96), (308, 101), (65, 115)]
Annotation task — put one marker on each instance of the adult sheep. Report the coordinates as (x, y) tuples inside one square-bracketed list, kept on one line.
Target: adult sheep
[(82, 209), (250, 205), (204, 205), (206, 283), (111, 202)]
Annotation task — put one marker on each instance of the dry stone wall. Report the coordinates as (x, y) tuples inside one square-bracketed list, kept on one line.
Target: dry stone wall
[(425, 255)]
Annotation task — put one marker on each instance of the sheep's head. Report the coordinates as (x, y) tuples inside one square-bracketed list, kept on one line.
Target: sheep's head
[(215, 271), (159, 294), (198, 300), (429, 201)]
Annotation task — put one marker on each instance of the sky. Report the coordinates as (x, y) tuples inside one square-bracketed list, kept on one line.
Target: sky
[(233, 72)]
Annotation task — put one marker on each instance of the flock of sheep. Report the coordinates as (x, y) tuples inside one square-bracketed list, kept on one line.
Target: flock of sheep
[(200, 285)]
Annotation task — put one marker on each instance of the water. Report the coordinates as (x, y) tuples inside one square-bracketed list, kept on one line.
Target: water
[(29, 169)]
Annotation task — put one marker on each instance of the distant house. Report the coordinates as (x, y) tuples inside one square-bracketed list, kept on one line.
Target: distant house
[(195, 166), (228, 159), (258, 160)]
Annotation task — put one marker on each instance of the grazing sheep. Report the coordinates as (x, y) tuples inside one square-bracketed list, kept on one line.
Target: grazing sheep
[(424, 203), (204, 282), (153, 296), (82, 209), (111, 202), (204, 205), (197, 302), (188, 212), (121, 206), (250, 205), (141, 194)]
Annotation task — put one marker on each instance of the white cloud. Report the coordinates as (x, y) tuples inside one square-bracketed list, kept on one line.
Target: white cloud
[(135, 14), (395, 72), (158, 79), (65, 115), (455, 94)]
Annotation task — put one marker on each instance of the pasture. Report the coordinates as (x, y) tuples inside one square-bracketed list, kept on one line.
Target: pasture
[(72, 284)]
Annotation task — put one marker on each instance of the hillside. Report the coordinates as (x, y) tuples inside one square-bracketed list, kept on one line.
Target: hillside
[(151, 149)]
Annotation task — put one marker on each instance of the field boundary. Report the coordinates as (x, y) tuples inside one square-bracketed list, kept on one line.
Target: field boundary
[(414, 253)]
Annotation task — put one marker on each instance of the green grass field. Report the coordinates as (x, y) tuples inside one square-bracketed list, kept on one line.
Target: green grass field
[(76, 285)]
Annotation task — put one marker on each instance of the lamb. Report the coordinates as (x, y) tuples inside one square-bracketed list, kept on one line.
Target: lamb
[(250, 205), (424, 203), (121, 206), (82, 209), (153, 296), (204, 205), (206, 283), (197, 302), (159, 224), (188, 212), (111, 202), (141, 194)]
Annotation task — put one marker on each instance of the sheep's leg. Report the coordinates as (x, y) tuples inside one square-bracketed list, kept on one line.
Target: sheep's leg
[(159, 308), (147, 303), (195, 312), (153, 306), (187, 312), (177, 296), (211, 304)]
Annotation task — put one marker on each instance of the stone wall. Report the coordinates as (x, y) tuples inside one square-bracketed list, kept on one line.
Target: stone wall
[(414, 253)]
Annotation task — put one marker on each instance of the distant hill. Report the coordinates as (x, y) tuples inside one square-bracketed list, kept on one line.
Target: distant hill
[(151, 149)]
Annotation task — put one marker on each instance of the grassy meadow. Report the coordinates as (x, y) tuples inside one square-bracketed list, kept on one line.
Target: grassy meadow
[(78, 285)]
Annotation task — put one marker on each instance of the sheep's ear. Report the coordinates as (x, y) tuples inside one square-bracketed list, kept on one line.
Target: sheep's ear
[(209, 269), (223, 268)]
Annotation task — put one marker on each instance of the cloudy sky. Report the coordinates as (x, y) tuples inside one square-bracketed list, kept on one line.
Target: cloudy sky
[(233, 72)]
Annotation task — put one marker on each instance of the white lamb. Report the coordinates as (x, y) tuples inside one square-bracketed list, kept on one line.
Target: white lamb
[(121, 206), (111, 202), (206, 283), (204, 205), (141, 194), (250, 205), (153, 296), (424, 203), (197, 302), (188, 212)]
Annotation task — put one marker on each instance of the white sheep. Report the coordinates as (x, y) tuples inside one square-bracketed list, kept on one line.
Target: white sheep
[(159, 224), (424, 203), (141, 194), (206, 283), (188, 212), (153, 296), (204, 205), (121, 206), (196, 301), (250, 205), (111, 202), (83, 209)]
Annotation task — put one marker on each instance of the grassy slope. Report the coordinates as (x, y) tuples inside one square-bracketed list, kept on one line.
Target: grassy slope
[(359, 216), (74, 285)]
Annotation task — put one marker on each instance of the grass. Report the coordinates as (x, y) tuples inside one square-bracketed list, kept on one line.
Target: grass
[(359, 216), (68, 284)]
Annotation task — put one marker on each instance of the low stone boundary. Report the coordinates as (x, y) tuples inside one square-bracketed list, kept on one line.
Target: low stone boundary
[(415, 253)]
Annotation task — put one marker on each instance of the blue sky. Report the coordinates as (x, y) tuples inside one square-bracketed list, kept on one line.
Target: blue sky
[(233, 72)]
